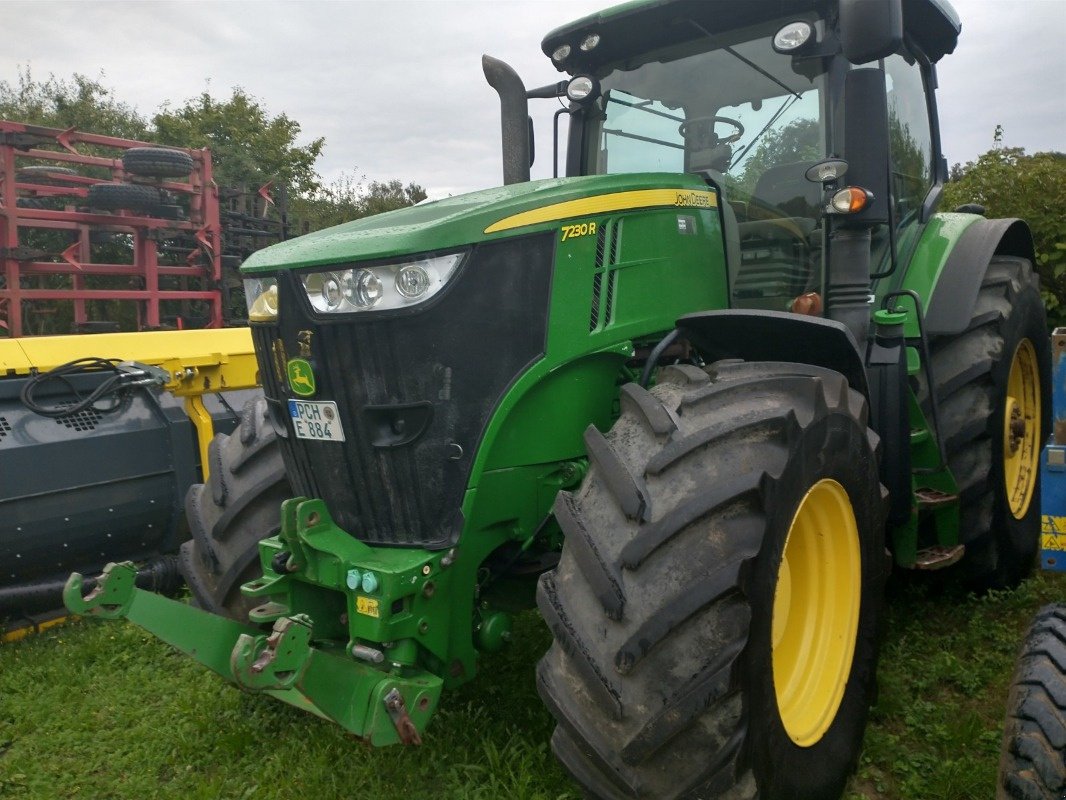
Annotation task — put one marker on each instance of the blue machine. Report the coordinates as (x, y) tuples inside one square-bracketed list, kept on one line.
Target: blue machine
[(1053, 466)]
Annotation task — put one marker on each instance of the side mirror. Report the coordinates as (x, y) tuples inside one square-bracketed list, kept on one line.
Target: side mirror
[(866, 142), (870, 29)]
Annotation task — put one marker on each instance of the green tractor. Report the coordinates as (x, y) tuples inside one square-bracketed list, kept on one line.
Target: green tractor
[(692, 401)]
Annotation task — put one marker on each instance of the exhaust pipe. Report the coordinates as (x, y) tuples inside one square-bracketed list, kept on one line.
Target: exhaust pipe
[(514, 118)]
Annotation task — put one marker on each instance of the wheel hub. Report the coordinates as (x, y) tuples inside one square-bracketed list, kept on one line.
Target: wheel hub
[(816, 612), (1021, 423)]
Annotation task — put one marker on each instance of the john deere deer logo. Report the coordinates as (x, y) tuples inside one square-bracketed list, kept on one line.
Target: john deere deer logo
[(301, 377)]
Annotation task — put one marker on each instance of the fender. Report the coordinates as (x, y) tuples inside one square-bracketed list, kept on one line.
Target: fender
[(776, 336), (955, 292)]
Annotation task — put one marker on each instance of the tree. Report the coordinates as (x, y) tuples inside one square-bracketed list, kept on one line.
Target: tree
[(390, 195), (797, 141), (81, 102), (346, 199), (1010, 183), (248, 146)]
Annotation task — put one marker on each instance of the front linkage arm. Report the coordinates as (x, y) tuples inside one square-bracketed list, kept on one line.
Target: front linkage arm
[(384, 705)]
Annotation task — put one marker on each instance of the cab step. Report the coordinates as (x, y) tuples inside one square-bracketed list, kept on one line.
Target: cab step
[(931, 499), (939, 557)]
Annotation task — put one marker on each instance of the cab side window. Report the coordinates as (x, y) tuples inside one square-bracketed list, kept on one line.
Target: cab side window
[(911, 144)]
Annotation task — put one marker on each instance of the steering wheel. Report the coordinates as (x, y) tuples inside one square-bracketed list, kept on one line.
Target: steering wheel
[(688, 124)]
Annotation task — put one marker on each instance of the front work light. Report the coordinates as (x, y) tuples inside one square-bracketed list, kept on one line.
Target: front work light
[(793, 36), (379, 288), (829, 170), (581, 88)]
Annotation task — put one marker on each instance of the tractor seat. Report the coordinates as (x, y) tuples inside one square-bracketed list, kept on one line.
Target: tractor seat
[(786, 188), (777, 242)]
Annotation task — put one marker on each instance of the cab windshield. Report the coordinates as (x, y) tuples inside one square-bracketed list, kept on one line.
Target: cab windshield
[(752, 121)]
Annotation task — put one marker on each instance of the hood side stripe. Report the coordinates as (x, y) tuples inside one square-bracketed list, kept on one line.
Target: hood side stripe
[(607, 203)]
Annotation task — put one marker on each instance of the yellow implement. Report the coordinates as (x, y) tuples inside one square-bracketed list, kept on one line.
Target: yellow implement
[(198, 362)]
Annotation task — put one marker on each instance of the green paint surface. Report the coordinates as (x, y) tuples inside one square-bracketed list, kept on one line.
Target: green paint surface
[(448, 224)]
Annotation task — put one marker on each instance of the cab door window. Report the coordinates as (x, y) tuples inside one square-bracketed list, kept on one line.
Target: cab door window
[(911, 145)]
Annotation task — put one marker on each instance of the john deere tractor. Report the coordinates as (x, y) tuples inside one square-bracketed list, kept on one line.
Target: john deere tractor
[(691, 400)]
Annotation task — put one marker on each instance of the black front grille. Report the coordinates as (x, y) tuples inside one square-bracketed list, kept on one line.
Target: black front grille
[(438, 372)]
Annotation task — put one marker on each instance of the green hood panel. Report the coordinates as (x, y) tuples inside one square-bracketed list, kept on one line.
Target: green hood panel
[(453, 222)]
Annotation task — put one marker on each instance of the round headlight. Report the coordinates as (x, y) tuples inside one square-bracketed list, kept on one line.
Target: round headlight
[(561, 52), (580, 88), (590, 41), (412, 281), (792, 37), (332, 293), (364, 289)]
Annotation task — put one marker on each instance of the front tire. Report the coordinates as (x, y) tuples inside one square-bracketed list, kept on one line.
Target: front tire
[(717, 603), (238, 506), (1032, 764)]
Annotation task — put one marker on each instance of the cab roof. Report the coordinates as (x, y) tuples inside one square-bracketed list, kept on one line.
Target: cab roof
[(641, 26)]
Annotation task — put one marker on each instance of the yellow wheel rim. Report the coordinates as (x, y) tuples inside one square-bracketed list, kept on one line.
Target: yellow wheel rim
[(1021, 427), (816, 612)]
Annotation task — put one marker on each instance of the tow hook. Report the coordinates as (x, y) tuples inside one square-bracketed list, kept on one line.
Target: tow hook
[(397, 709)]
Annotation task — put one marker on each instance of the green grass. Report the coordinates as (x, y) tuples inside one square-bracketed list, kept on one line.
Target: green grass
[(102, 710)]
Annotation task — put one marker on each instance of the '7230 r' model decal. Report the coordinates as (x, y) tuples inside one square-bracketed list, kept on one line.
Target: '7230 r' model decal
[(573, 231)]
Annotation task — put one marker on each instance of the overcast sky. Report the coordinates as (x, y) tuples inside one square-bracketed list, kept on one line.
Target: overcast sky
[(396, 87)]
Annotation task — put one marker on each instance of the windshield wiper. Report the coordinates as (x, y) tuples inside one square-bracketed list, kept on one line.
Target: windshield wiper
[(744, 151)]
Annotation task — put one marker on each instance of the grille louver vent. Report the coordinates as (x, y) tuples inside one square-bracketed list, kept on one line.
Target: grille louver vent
[(602, 309)]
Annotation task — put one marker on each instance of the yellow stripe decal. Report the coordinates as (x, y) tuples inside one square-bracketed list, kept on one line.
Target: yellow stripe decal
[(604, 203), (16, 634)]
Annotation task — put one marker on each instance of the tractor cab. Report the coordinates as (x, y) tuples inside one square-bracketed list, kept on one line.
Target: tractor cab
[(751, 96)]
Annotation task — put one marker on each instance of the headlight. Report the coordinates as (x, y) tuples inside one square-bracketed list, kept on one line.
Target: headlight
[(261, 295), (381, 288)]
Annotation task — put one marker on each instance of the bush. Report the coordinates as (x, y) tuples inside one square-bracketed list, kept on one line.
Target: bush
[(1009, 183)]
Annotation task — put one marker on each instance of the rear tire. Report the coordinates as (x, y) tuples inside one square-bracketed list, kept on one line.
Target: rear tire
[(1032, 765), (1000, 528), (670, 593), (228, 516)]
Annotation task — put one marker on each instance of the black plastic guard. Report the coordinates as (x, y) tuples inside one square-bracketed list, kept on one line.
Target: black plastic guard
[(955, 294), (776, 336)]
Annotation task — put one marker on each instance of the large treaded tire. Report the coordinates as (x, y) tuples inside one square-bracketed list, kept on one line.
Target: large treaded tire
[(660, 676), (124, 196), (1032, 765), (157, 162), (971, 370), (228, 515)]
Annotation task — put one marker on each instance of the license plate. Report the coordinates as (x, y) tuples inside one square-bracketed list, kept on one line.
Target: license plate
[(318, 421)]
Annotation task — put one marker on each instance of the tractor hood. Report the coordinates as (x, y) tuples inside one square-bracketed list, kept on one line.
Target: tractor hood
[(479, 216)]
